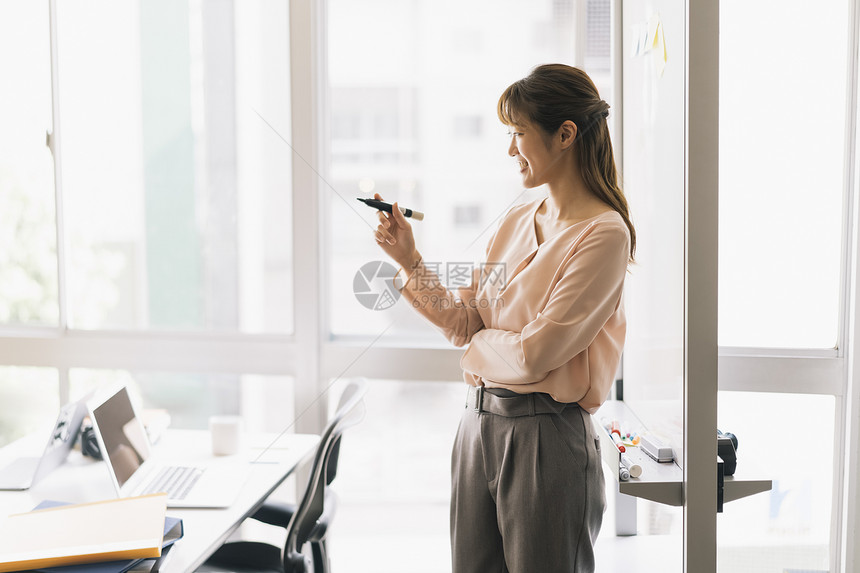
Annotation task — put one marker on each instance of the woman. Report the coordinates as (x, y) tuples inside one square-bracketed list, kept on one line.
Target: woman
[(543, 344)]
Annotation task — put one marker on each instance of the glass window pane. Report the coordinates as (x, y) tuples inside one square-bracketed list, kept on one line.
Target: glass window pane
[(412, 113), (786, 438), (264, 402), (28, 256), (29, 401), (393, 479), (782, 139), (175, 179)]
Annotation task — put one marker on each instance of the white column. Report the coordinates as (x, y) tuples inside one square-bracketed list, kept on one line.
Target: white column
[(305, 149)]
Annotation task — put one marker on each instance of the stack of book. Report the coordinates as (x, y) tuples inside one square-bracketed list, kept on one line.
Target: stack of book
[(107, 536)]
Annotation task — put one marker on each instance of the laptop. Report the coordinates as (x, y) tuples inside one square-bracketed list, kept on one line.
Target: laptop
[(24, 472), (134, 469)]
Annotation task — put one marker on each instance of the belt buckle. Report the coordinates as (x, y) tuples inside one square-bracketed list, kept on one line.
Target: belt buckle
[(479, 399)]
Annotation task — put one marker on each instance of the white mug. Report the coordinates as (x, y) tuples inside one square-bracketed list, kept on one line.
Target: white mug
[(226, 434)]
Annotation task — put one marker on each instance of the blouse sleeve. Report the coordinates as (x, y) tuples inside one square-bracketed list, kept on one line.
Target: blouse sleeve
[(578, 307), (454, 313)]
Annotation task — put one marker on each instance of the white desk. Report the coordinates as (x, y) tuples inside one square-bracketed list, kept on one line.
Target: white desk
[(82, 479)]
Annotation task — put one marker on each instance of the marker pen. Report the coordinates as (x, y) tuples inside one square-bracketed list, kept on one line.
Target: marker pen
[(383, 206), (634, 469)]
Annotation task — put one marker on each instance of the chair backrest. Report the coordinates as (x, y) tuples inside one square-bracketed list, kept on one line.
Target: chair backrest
[(349, 412), (352, 388)]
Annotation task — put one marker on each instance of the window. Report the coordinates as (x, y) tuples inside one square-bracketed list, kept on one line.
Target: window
[(598, 36), (394, 477), (441, 77), (468, 126), (30, 401), (413, 117), (783, 239), (782, 173), (787, 528), (175, 179), (264, 402), (161, 252), (28, 259)]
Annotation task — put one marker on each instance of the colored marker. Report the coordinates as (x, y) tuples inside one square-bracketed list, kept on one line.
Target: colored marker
[(634, 469), (383, 206), (617, 439)]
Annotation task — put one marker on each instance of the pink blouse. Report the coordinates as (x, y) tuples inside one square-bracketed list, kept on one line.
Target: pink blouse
[(538, 318)]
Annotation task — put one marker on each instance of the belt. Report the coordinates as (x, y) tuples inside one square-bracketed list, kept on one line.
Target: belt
[(480, 400)]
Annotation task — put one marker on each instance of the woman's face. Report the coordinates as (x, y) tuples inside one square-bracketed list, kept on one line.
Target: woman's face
[(535, 160)]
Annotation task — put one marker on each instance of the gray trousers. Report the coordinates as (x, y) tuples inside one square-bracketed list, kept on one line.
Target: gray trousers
[(527, 491)]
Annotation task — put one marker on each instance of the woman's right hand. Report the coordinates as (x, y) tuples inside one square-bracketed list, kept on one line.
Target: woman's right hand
[(394, 235)]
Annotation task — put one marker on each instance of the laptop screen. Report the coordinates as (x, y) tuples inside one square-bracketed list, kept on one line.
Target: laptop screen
[(123, 435)]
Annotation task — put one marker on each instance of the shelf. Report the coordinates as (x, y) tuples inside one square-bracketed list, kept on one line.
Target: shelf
[(660, 482), (738, 488)]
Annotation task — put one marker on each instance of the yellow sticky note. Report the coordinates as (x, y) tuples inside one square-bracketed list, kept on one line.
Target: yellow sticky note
[(661, 53)]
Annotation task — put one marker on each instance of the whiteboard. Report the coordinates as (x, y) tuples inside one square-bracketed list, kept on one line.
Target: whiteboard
[(653, 174)]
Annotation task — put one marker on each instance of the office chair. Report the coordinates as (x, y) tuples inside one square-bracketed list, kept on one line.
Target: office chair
[(307, 523)]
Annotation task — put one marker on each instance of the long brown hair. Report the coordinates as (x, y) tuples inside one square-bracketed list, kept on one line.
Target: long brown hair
[(554, 93)]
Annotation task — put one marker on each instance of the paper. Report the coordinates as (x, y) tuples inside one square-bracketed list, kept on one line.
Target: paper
[(125, 528), (649, 37)]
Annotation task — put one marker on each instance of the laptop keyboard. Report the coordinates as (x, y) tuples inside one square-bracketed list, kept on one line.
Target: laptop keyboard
[(175, 481)]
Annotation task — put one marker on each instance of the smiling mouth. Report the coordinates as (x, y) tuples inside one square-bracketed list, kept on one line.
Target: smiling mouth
[(523, 165)]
